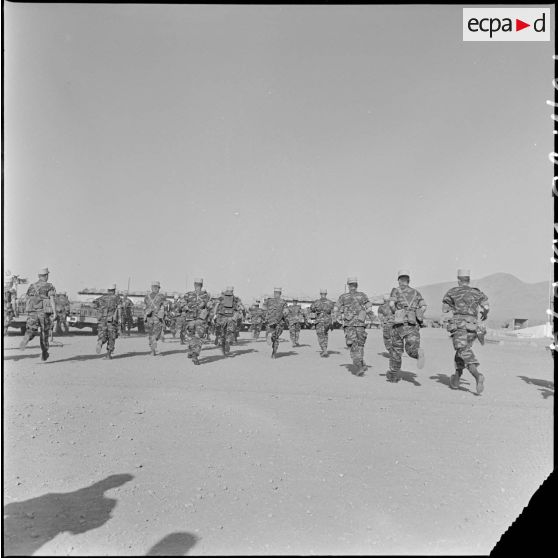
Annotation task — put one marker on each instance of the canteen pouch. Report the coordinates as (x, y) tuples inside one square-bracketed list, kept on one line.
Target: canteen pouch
[(47, 306), (471, 325), (161, 312), (399, 316), (411, 317), (227, 305), (203, 313), (451, 326)]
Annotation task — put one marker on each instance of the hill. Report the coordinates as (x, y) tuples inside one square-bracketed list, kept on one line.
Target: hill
[(509, 298)]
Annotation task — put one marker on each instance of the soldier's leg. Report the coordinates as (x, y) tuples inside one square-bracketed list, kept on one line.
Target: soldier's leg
[(102, 335), (321, 334), (257, 330), (31, 329), (412, 344), (292, 334), (64, 324), (189, 330), (470, 360), (395, 353), (276, 331), (297, 332), (351, 341), (196, 341), (230, 335), (111, 333), (361, 341), (45, 324), (387, 337), (459, 339)]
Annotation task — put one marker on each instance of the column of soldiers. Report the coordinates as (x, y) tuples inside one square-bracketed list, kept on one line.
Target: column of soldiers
[(192, 316)]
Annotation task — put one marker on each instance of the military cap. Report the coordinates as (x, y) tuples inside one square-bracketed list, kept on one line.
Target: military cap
[(198, 280), (277, 289), (323, 291), (403, 272), (111, 287), (464, 273), (43, 271), (351, 280), (155, 284)]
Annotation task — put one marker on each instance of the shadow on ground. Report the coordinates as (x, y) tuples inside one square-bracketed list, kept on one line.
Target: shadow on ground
[(353, 369), (285, 354), (232, 354), (80, 358), (547, 386), (175, 544), (385, 354), (21, 357), (444, 379), (30, 524)]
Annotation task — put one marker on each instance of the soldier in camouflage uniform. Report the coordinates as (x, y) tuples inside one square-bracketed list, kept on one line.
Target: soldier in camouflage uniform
[(109, 317), (322, 311), (225, 314), (174, 316), (195, 313), (294, 317), (275, 318), (127, 315), (41, 309), (465, 302), (155, 303), (385, 313), (256, 317), (352, 310), (60, 325), (408, 314), (10, 305)]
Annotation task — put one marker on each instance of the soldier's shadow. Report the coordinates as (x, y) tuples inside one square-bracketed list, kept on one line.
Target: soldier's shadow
[(444, 379), (285, 354), (20, 357), (175, 544), (546, 385), (303, 345), (353, 369), (30, 524), (80, 358), (232, 354), (385, 354), (407, 377)]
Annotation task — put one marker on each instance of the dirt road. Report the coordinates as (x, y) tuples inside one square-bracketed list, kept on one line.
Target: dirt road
[(249, 455)]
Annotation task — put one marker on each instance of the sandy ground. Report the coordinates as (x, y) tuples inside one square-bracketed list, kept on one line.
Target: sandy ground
[(147, 455)]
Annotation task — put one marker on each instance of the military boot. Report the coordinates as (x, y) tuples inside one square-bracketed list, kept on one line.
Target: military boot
[(274, 351), (44, 355), (324, 353), (481, 332), (360, 368), (392, 376), (108, 356), (195, 360), (99, 346), (154, 349), (24, 341), (478, 376), (454, 379)]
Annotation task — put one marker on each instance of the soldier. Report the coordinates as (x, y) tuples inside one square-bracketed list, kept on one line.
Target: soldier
[(275, 318), (41, 309), (174, 315), (226, 312), (256, 317), (109, 317), (321, 311), (352, 311), (127, 315), (408, 315), (10, 305), (195, 314), (240, 317), (465, 302), (385, 313), (294, 318), (60, 325), (154, 315)]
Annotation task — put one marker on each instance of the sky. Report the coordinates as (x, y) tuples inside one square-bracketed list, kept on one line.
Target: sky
[(263, 146)]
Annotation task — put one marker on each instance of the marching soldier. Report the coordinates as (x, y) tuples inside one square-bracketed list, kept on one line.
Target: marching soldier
[(352, 311), (385, 313), (41, 308), (154, 315), (127, 315), (275, 318), (60, 325), (10, 305), (226, 312), (465, 302), (256, 316), (408, 315), (294, 318), (175, 314), (195, 314), (322, 310), (109, 317)]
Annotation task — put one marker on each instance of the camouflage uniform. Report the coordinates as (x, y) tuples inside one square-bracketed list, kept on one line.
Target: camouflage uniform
[(175, 322), (408, 306), (154, 318), (294, 317), (385, 313), (9, 306), (127, 315), (256, 316), (323, 310), (195, 314), (39, 309), (465, 302), (109, 307), (226, 310), (354, 309), (62, 310), (275, 318)]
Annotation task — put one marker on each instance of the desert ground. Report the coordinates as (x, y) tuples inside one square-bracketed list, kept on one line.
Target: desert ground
[(144, 455)]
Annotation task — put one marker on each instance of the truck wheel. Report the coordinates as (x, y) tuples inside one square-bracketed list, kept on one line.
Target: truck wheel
[(22, 329), (95, 330), (141, 326)]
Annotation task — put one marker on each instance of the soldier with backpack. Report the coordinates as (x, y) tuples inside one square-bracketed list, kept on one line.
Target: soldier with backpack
[(195, 313), (109, 318), (275, 319), (226, 310), (408, 315), (294, 318), (155, 313)]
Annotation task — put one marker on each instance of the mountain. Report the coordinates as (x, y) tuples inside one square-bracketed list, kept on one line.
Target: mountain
[(509, 297)]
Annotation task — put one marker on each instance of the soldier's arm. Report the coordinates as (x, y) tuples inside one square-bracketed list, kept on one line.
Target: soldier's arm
[(447, 303), (485, 307), (52, 296), (393, 298)]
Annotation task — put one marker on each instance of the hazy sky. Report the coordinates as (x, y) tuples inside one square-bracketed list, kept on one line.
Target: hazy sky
[(271, 145)]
